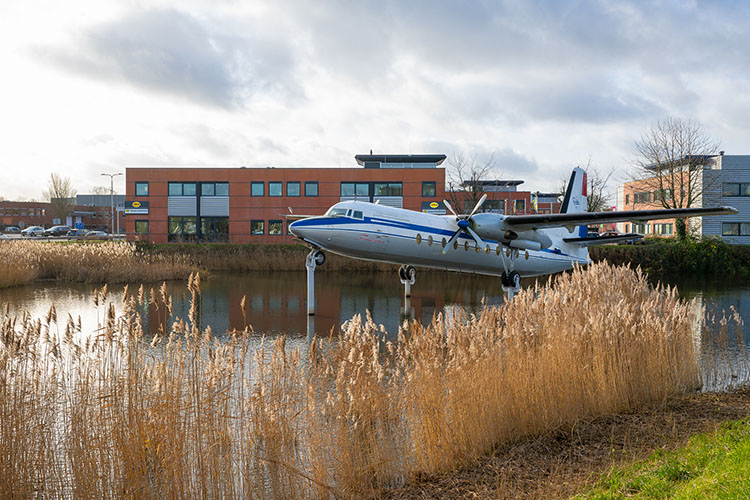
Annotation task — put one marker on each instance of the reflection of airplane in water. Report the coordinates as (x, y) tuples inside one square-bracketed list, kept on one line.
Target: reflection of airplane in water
[(510, 246)]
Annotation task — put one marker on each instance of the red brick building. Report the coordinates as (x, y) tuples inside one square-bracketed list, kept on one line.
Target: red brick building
[(249, 205)]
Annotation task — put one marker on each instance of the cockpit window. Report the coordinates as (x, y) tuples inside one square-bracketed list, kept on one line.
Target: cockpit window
[(358, 214), (336, 212)]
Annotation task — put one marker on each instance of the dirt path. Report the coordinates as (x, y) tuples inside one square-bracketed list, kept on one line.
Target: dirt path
[(559, 465)]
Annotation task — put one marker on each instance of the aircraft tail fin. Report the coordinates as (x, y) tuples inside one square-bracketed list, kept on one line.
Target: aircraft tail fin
[(575, 196)]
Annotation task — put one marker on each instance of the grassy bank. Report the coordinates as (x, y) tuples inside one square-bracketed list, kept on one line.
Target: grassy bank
[(98, 415), (668, 256), (240, 258), (711, 465), (22, 261), (92, 262)]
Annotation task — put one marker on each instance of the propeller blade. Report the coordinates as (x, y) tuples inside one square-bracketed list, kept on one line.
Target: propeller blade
[(479, 204), (450, 241), (476, 237), (450, 208)]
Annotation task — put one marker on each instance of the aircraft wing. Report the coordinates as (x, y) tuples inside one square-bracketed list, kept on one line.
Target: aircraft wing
[(582, 218)]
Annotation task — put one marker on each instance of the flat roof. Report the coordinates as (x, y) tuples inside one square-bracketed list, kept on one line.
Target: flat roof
[(497, 182), (436, 159)]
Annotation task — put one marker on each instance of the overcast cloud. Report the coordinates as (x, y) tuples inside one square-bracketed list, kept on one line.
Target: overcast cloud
[(95, 86)]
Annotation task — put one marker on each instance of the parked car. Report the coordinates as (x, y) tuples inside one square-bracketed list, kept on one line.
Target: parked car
[(77, 233), (610, 233), (3, 236), (13, 230), (57, 231), (96, 235), (33, 231)]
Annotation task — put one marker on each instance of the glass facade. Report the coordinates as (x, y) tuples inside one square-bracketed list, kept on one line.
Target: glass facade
[(183, 229)]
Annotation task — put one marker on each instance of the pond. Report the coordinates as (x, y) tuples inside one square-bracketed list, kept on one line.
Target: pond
[(275, 303)]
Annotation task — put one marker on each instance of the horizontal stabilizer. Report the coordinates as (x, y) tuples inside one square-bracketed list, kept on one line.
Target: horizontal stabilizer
[(603, 240), (576, 219)]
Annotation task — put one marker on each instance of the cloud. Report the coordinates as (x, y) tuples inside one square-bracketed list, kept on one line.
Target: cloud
[(171, 52)]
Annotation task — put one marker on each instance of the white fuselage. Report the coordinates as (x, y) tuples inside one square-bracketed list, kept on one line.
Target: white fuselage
[(375, 232)]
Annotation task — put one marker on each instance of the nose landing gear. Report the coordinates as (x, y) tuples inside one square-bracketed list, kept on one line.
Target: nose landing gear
[(314, 258)]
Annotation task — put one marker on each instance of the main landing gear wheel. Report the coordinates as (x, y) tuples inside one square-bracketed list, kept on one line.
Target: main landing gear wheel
[(319, 258), (512, 279), (407, 273)]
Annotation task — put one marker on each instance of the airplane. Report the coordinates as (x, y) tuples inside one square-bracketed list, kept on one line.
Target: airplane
[(509, 246)]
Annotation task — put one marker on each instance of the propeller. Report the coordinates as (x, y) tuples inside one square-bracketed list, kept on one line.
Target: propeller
[(464, 224)]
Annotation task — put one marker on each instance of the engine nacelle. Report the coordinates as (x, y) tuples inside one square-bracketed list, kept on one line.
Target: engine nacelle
[(492, 226)]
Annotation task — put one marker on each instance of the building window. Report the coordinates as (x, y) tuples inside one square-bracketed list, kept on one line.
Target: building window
[(736, 189), (257, 227), (358, 189), (183, 228), (292, 188), (275, 227), (257, 189), (627, 199), (735, 228), (311, 188), (428, 189), (519, 206), (182, 189), (274, 189), (141, 188), (214, 189), (642, 197), (496, 206), (141, 227), (215, 228), (388, 189)]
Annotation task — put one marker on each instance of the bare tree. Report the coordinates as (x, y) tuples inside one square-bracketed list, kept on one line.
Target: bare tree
[(464, 179), (100, 190), (670, 164), (61, 195)]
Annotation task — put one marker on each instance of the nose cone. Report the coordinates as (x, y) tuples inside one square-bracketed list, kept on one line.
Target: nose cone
[(308, 229), (297, 229)]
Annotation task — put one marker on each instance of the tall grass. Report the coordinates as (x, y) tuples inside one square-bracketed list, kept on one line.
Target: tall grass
[(113, 414), (21, 261)]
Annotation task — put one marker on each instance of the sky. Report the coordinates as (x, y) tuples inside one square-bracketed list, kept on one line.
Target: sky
[(91, 87)]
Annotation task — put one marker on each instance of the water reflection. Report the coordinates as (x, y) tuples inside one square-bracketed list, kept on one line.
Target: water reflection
[(275, 303)]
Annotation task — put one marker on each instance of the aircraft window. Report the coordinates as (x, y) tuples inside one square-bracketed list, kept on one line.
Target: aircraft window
[(358, 214), (430, 240), (348, 213), (476, 248), (466, 246), (444, 242), (337, 212), (487, 250), (526, 255), (455, 244), (419, 239)]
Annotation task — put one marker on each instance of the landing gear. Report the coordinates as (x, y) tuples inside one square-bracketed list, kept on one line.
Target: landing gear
[(315, 258), (510, 279), (407, 275)]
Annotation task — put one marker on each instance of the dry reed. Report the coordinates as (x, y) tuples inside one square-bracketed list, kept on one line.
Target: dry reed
[(103, 414), (21, 261)]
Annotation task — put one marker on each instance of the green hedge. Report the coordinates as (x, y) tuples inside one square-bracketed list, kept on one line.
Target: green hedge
[(669, 256)]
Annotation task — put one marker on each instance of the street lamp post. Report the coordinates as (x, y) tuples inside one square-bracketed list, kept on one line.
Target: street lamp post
[(112, 201)]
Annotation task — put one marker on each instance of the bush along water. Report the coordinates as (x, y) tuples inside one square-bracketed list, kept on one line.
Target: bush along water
[(709, 256)]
